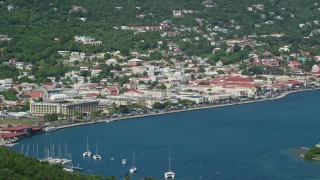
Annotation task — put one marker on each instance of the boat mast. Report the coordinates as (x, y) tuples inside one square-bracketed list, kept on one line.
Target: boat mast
[(169, 160), (33, 150), (59, 149), (96, 147), (133, 160), (65, 150), (21, 151), (45, 152), (37, 151), (27, 151), (87, 144)]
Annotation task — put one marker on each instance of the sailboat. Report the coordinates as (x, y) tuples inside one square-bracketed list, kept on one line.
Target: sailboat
[(69, 167), (97, 156), (87, 153), (170, 174), (133, 168)]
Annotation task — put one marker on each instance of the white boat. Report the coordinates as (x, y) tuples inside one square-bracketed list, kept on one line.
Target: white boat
[(124, 161), (49, 129), (77, 168), (133, 168), (96, 156), (87, 153), (67, 169), (318, 145), (170, 174), (9, 144)]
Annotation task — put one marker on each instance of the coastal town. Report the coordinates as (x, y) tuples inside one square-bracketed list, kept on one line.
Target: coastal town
[(112, 84), (159, 89)]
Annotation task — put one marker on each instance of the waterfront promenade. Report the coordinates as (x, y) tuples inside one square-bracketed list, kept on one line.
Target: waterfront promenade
[(184, 110)]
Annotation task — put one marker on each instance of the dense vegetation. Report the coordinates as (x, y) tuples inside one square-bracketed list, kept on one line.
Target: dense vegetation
[(41, 28), (313, 153), (16, 166), (33, 25)]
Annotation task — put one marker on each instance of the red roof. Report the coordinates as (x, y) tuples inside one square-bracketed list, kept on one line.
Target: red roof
[(35, 128), (294, 82), (92, 95), (34, 94), (145, 77), (96, 68), (11, 135), (48, 83), (295, 63), (17, 128)]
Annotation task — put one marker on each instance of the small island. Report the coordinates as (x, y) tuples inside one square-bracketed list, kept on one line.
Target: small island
[(313, 153)]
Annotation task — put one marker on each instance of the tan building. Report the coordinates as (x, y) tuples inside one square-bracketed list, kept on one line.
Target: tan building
[(66, 107)]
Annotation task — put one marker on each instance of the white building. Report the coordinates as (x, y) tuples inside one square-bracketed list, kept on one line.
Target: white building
[(5, 84)]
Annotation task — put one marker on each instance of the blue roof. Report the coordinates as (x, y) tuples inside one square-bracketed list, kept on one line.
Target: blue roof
[(195, 96)]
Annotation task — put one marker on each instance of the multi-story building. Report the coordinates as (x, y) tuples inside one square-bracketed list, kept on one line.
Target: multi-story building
[(66, 107), (5, 84)]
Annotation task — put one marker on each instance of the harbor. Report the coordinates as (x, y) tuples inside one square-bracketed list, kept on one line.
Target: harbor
[(204, 144), (108, 120), (19, 132)]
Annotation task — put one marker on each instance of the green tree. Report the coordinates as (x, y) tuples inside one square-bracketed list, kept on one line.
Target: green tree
[(51, 117), (203, 83), (158, 105), (309, 155), (123, 109)]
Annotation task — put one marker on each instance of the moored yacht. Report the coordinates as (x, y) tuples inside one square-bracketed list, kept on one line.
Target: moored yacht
[(49, 129), (96, 156), (133, 168), (87, 153), (124, 161), (68, 169), (170, 174)]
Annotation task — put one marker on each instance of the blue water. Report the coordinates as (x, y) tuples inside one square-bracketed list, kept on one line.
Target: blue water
[(250, 141)]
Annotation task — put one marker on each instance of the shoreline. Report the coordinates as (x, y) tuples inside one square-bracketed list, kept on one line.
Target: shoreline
[(185, 110)]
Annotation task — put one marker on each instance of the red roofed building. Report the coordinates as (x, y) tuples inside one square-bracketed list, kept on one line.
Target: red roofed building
[(95, 70), (294, 64), (114, 91), (8, 136), (18, 129), (13, 60), (91, 96), (135, 62), (35, 94), (48, 85), (237, 79), (145, 78), (133, 93), (237, 40)]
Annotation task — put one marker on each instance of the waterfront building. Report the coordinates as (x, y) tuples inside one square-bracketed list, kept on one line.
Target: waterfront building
[(66, 107), (197, 99)]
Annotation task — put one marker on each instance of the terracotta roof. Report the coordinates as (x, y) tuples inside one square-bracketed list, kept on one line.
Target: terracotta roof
[(17, 128), (96, 68), (34, 94), (11, 135)]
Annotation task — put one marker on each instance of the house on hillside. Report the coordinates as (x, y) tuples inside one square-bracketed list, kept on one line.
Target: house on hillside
[(135, 62), (316, 68)]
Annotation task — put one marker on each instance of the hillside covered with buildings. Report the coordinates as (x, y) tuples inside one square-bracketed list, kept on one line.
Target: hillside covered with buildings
[(73, 59)]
